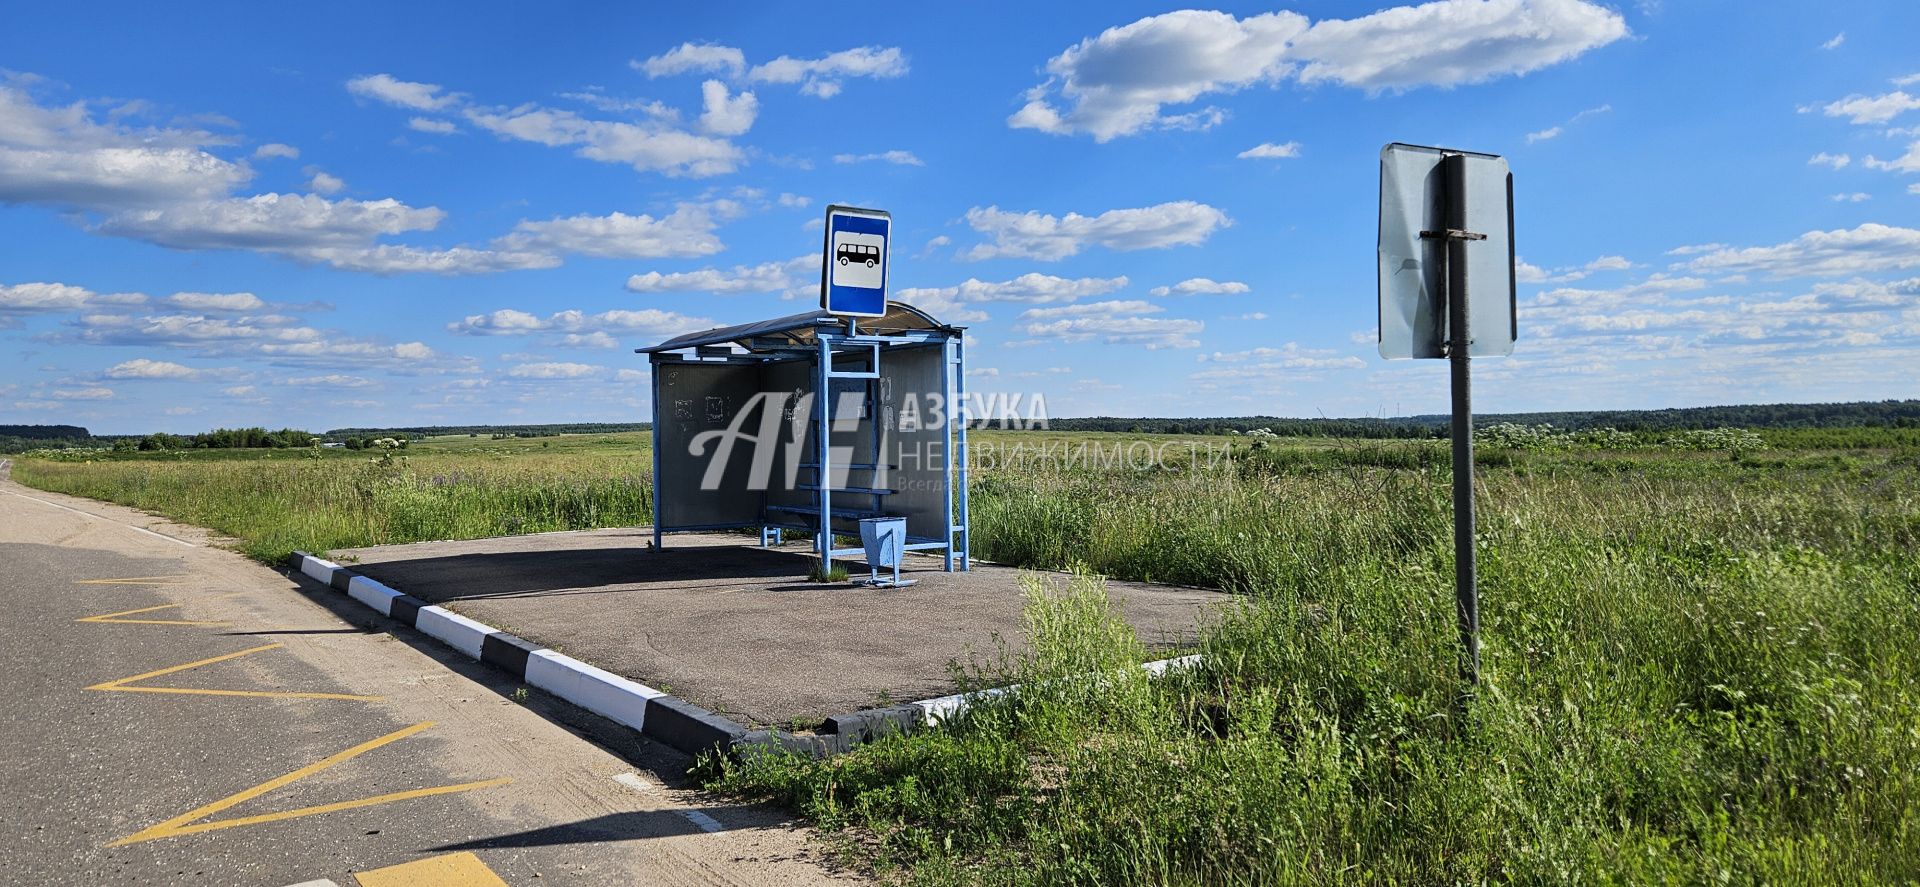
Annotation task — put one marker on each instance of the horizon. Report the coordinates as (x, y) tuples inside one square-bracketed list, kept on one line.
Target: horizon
[(1138, 212)]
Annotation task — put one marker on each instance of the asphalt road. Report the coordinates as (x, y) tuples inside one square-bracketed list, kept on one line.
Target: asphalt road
[(177, 714)]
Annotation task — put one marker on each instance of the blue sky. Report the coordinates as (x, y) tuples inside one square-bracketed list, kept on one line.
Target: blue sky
[(466, 213)]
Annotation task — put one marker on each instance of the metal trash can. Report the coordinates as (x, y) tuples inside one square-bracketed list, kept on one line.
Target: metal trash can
[(885, 539)]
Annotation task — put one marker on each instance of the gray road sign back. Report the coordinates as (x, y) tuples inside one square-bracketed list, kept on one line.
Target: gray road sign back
[(1413, 315)]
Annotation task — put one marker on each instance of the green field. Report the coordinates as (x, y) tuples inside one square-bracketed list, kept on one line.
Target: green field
[(1700, 664)]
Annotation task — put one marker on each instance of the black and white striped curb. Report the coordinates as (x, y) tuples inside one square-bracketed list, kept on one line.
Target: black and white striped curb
[(655, 714)]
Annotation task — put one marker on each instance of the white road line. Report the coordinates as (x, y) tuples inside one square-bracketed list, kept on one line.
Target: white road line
[(99, 518), (635, 782)]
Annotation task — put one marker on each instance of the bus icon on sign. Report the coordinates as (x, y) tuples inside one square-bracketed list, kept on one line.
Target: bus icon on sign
[(858, 253)]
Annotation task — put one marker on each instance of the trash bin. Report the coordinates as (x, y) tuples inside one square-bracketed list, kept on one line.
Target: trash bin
[(885, 539)]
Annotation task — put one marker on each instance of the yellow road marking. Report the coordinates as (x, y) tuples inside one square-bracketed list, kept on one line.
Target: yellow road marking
[(135, 580), (461, 869), (115, 617), (179, 824), (122, 685)]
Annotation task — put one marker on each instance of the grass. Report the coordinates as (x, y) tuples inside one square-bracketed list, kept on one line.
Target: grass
[(1699, 665)]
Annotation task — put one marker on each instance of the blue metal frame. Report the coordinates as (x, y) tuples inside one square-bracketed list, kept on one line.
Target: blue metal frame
[(765, 345)]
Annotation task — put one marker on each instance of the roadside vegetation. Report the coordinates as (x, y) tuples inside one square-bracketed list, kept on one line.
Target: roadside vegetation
[(1700, 661)]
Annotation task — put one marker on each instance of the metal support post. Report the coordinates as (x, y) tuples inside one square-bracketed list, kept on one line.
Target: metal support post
[(1459, 359)]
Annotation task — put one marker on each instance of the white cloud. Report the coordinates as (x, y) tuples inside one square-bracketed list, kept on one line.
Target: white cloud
[(766, 277), (1269, 363), (1855, 197), (1035, 288), (582, 328), (1117, 83), (90, 393), (687, 231), (1835, 41), (1554, 132), (556, 371), (1201, 286), (647, 147), (430, 125), (1863, 109), (724, 115), (1450, 42), (275, 149), (1256, 315), (1270, 151), (402, 93), (35, 298), (331, 380), (896, 157), (273, 222), (216, 301), (1867, 248), (793, 200), (704, 58), (142, 368), (1033, 235), (322, 183), (1121, 322), (1908, 162), (1831, 161), (60, 157), (822, 76)]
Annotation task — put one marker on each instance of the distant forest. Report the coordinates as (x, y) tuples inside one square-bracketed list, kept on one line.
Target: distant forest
[(1871, 414), (419, 431), (1865, 414)]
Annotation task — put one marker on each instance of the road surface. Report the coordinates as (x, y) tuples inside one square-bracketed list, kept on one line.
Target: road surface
[(181, 715)]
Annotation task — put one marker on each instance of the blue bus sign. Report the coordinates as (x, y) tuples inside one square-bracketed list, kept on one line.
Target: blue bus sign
[(853, 271)]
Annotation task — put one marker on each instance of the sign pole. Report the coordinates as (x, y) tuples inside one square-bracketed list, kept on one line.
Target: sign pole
[(1466, 590)]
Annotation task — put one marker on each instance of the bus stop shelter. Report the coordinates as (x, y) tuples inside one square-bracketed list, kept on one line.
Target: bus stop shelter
[(811, 423)]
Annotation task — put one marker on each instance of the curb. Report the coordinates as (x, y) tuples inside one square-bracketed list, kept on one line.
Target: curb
[(652, 713)]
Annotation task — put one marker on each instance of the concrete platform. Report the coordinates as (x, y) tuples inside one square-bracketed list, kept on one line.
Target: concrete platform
[(722, 623)]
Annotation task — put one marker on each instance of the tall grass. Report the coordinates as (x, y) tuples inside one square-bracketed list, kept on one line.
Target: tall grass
[(1698, 672), (274, 506), (1699, 666)]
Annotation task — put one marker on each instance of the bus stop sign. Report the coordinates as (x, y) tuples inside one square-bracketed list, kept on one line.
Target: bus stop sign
[(853, 269)]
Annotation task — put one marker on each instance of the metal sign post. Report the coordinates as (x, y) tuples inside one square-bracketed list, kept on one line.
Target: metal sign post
[(1446, 259)]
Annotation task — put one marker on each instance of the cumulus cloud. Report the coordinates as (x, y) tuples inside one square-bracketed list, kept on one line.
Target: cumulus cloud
[(687, 231), (581, 328), (1288, 362), (216, 301), (1835, 41), (553, 370), (1270, 151), (88, 393), (1118, 82), (726, 115), (62, 157), (331, 380), (951, 303), (896, 157), (1831, 161), (694, 57), (37, 298), (403, 93), (1908, 162), (143, 368), (823, 76), (322, 183), (1867, 248), (647, 147), (1865, 109), (1034, 235), (1119, 322), (766, 277), (1202, 286), (431, 125), (271, 150)]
